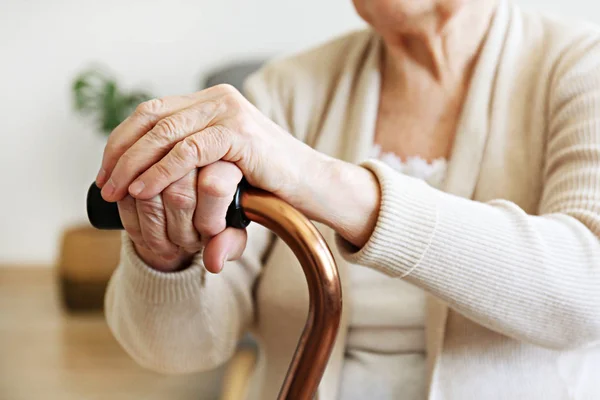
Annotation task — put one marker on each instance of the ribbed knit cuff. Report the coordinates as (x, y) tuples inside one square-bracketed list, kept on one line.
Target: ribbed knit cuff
[(405, 225), (155, 286)]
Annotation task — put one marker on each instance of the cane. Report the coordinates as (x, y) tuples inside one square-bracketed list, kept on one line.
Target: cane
[(325, 293)]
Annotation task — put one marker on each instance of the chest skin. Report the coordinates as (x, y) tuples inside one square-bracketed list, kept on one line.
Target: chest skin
[(418, 125)]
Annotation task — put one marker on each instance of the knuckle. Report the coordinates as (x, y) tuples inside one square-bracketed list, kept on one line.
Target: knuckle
[(208, 226), (232, 101), (226, 88), (193, 248), (152, 210), (150, 107), (113, 145), (182, 240), (126, 159), (245, 126), (168, 127), (179, 199), (162, 171), (213, 186), (188, 149)]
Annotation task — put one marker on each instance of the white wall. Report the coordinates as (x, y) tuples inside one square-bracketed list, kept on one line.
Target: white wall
[(48, 156)]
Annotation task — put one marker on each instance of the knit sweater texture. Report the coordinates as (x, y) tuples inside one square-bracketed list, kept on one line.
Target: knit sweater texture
[(508, 250)]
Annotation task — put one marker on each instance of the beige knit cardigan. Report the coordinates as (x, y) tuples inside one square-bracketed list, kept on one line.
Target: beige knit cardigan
[(509, 250)]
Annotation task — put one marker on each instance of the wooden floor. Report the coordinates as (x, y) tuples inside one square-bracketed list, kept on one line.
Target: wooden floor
[(46, 354)]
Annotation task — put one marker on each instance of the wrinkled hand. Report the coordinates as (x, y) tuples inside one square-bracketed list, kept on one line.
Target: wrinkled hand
[(166, 230), (157, 149), (164, 139)]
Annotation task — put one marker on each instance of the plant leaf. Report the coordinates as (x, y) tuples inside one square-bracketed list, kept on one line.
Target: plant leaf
[(98, 94)]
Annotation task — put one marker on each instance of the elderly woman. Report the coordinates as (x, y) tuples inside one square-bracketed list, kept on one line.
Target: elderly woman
[(451, 157)]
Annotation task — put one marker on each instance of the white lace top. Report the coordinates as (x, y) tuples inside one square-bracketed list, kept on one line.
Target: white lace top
[(385, 357), (433, 173)]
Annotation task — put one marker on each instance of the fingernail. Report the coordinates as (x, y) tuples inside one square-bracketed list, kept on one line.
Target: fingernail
[(108, 189), (136, 188), (101, 177)]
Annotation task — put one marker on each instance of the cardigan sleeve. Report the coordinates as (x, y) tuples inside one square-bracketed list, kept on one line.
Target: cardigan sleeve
[(191, 320), (183, 321), (535, 278)]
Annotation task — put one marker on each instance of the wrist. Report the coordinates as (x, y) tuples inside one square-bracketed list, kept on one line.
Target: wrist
[(345, 197)]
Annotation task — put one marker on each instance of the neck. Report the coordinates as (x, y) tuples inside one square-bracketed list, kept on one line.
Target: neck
[(441, 48)]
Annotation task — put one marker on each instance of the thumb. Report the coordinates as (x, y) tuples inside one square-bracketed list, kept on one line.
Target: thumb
[(228, 245)]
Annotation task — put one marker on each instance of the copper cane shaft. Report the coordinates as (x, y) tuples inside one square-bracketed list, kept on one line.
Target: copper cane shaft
[(325, 292)]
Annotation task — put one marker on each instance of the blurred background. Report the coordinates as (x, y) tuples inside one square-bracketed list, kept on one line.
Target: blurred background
[(69, 71)]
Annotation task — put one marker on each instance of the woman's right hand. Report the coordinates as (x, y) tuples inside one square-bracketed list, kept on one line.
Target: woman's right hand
[(169, 229)]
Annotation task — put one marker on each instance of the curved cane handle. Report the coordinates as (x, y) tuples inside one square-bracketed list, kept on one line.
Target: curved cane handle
[(324, 288)]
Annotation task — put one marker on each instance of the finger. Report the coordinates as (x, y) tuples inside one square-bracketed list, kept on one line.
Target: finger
[(198, 150), (153, 225), (229, 245), (217, 184), (153, 145), (130, 220), (143, 119), (180, 203)]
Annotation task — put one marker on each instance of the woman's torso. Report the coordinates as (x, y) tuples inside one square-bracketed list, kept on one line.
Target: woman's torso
[(330, 101), (385, 349)]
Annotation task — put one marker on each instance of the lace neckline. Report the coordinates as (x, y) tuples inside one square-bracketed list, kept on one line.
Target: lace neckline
[(432, 172)]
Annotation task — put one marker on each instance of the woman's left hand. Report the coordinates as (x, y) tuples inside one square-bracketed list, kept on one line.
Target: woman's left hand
[(166, 138)]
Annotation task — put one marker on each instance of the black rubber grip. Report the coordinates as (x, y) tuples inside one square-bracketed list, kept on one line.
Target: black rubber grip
[(105, 215), (101, 213)]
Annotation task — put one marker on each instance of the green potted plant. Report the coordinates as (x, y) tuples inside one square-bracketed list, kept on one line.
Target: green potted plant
[(89, 256), (98, 94)]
